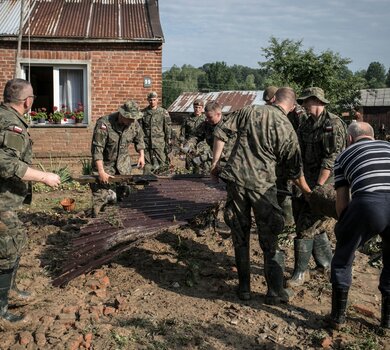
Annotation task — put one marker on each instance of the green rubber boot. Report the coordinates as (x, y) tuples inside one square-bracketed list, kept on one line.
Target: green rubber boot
[(16, 292), (244, 275), (5, 286), (322, 251), (274, 275), (303, 249)]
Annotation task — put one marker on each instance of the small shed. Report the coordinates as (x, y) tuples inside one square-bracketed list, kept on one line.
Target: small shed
[(229, 100), (376, 107)]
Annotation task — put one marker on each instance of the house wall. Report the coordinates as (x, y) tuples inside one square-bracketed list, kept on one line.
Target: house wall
[(377, 116), (117, 74)]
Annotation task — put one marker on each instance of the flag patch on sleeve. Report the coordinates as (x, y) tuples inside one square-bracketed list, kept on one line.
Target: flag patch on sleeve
[(15, 128)]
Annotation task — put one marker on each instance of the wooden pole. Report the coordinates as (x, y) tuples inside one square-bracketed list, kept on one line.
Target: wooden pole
[(20, 36)]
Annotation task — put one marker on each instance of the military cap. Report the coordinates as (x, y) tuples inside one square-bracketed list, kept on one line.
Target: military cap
[(198, 102), (130, 110), (152, 94), (269, 93), (313, 92)]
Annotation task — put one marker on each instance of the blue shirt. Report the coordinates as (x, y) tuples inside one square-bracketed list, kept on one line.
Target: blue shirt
[(364, 167)]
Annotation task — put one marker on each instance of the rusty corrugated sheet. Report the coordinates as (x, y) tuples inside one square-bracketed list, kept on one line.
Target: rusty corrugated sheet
[(83, 19), (166, 203), (229, 100)]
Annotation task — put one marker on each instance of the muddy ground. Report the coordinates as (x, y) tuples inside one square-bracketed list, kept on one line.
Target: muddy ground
[(174, 291)]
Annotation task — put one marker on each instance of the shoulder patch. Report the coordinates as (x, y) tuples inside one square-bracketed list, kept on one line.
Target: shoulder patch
[(103, 127), (15, 128)]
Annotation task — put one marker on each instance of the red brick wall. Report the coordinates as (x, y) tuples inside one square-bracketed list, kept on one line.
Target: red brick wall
[(117, 72)]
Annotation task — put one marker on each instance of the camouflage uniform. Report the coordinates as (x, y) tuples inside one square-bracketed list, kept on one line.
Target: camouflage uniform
[(190, 124), (203, 140), (321, 140), (156, 124), (15, 157), (282, 182), (264, 138), (110, 143)]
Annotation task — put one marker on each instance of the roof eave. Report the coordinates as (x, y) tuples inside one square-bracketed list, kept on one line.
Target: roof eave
[(85, 40)]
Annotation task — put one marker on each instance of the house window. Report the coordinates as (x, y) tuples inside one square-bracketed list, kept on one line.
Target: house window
[(59, 87)]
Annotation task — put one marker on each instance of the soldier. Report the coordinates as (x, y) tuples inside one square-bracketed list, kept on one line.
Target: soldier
[(15, 172), (205, 132), (188, 127), (203, 139), (265, 138), (156, 124), (322, 136), (111, 139), (269, 95)]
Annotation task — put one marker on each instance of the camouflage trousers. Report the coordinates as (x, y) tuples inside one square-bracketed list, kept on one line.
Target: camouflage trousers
[(268, 216), (155, 158), (13, 239), (308, 224), (284, 201)]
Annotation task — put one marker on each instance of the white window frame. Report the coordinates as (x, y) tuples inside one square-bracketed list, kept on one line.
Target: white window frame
[(57, 65)]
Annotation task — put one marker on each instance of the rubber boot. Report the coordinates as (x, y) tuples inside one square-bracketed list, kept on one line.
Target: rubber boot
[(274, 275), (16, 292), (339, 306), (243, 270), (385, 318), (302, 251), (5, 286), (322, 251)]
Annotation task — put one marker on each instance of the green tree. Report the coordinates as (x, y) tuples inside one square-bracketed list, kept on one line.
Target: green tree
[(376, 75), (178, 80), (219, 77), (288, 64)]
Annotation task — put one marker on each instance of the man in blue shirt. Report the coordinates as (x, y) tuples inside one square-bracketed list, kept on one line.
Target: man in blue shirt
[(362, 183)]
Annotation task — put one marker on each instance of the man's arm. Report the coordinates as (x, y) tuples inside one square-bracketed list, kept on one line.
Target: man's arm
[(342, 199), (323, 176), (217, 152), (141, 159), (50, 179)]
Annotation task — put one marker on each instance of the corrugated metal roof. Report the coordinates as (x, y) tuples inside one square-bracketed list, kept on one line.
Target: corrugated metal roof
[(375, 97), (83, 19), (229, 100), (165, 204)]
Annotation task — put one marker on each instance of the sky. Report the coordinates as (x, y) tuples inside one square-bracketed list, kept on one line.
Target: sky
[(235, 31)]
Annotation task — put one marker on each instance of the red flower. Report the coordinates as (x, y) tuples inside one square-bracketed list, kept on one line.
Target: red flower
[(73, 117), (33, 113), (55, 108), (65, 119), (43, 109)]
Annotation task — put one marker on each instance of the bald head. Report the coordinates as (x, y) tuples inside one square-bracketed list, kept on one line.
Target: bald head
[(359, 130)]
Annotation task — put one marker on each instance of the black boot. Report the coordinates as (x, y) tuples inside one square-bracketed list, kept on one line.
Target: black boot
[(385, 319), (302, 249), (243, 270), (339, 306), (274, 275), (20, 294), (5, 285), (322, 251)]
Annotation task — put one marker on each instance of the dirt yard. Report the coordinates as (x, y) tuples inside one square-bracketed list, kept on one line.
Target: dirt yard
[(174, 291)]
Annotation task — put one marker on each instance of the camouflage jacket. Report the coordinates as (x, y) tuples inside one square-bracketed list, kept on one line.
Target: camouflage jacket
[(110, 143), (189, 126), (205, 132), (15, 158), (321, 140), (265, 138), (156, 124)]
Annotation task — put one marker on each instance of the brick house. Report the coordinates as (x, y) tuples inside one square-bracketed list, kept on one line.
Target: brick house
[(95, 52)]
